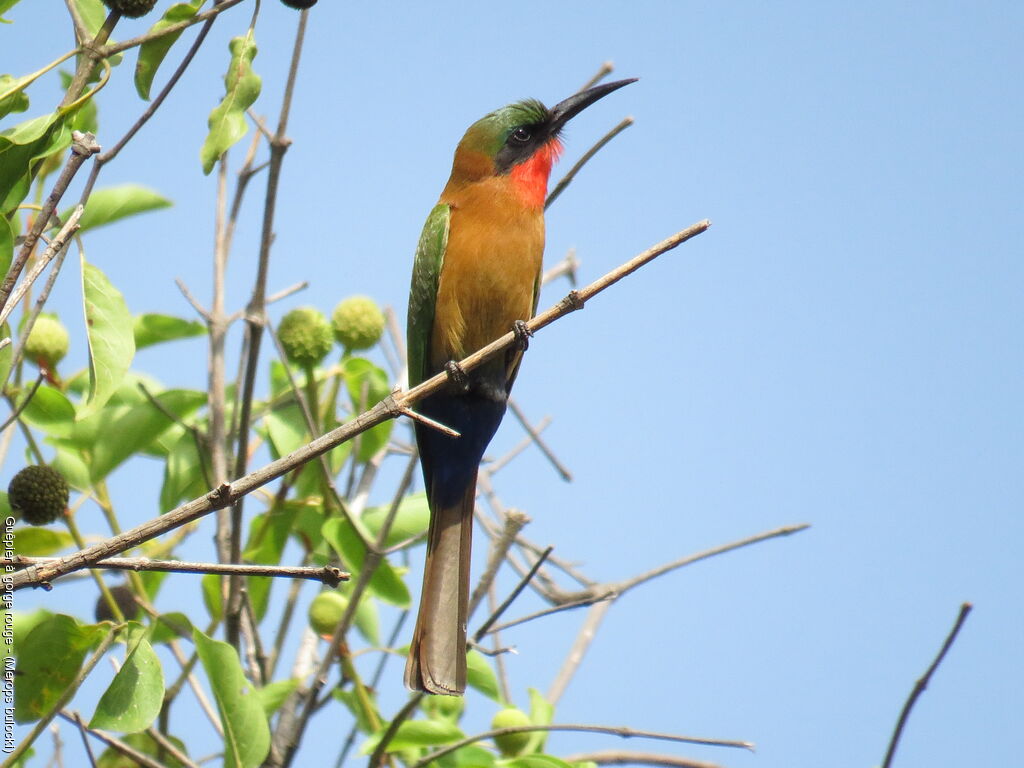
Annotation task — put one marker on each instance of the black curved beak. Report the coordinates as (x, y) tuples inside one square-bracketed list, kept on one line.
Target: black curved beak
[(565, 110)]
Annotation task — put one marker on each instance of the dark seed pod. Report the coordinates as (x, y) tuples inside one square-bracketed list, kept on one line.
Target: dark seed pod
[(299, 4), (39, 494), (132, 9)]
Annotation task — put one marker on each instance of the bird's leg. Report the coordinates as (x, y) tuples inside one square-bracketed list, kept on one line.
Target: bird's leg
[(522, 333), (457, 378)]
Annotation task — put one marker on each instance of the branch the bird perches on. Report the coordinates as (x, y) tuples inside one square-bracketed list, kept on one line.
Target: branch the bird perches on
[(394, 405)]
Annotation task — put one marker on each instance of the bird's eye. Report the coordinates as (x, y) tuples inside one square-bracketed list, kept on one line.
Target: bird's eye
[(521, 135)]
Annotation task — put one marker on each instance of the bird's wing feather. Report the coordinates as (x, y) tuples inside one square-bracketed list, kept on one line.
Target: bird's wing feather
[(426, 273)]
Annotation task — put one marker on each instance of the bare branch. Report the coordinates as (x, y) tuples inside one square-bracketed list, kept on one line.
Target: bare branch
[(922, 683), (606, 69), (535, 436), (566, 180), (114, 48), (511, 598), (627, 757), (388, 408), (515, 521), (625, 733), (327, 574)]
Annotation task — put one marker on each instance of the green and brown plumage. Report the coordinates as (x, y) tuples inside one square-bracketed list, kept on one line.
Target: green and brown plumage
[(476, 274)]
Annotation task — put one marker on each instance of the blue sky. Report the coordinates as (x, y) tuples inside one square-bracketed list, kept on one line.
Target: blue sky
[(842, 348)]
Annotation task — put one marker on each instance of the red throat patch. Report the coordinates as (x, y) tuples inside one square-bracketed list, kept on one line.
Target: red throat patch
[(530, 179)]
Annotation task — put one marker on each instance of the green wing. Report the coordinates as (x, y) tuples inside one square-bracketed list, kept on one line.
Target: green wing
[(426, 271)]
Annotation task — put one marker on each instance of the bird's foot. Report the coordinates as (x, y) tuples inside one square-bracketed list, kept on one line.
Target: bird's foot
[(457, 377), (522, 333)]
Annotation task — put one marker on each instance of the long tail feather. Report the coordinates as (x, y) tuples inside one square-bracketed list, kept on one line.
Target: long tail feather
[(437, 656)]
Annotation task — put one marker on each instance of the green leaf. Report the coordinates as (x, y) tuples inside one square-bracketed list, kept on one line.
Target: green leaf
[(17, 101), (110, 204), (111, 342), (51, 411), (385, 581), (242, 87), (170, 626), (183, 475), (268, 534), (473, 756), (6, 5), (6, 245), (133, 699), (411, 519), (83, 117), (152, 52), (542, 712), (33, 541), (212, 598), (272, 695), (138, 426), (48, 661), (153, 329), (69, 462), (246, 732), (357, 707), (367, 385), (24, 623), (480, 675), (535, 761), (20, 146), (416, 733)]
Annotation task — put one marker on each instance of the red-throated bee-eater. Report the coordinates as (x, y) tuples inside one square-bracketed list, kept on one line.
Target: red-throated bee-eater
[(476, 277)]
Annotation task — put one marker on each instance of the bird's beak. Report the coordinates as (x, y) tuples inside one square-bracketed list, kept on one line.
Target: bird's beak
[(564, 111)]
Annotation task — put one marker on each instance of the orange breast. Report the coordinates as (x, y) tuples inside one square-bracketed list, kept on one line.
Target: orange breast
[(491, 267)]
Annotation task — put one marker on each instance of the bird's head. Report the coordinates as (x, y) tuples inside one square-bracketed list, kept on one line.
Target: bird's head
[(521, 141)]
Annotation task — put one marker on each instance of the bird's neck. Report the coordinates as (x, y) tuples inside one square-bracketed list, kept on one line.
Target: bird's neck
[(527, 182)]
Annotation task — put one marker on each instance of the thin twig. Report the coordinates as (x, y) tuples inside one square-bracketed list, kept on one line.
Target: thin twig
[(114, 48), (625, 733), (24, 403), (615, 589), (535, 436), (388, 408), (512, 596), (628, 757), (922, 683), (580, 645), (567, 266), (515, 521), (566, 180), (327, 574), (57, 244), (154, 105), (502, 461), (606, 69), (114, 743), (255, 317)]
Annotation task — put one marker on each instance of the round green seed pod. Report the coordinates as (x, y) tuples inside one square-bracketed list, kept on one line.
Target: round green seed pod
[(133, 9), (39, 494), (326, 611), (511, 744), (48, 341), (305, 335), (358, 322)]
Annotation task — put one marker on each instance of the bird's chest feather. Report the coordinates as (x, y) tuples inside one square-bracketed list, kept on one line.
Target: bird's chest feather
[(491, 267)]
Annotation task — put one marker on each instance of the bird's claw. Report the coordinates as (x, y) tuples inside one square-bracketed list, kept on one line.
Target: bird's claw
[(522, 333), (456, 376)]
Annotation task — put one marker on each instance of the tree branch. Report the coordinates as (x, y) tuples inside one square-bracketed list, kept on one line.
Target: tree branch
[(625, 733), (922, 683), (226, 493), (626, 757), (327, 574)]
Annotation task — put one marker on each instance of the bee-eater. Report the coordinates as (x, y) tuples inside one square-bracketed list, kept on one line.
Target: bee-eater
[(476, 277)]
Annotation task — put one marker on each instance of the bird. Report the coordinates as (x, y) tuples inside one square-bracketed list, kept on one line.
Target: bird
[(476, 276)]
